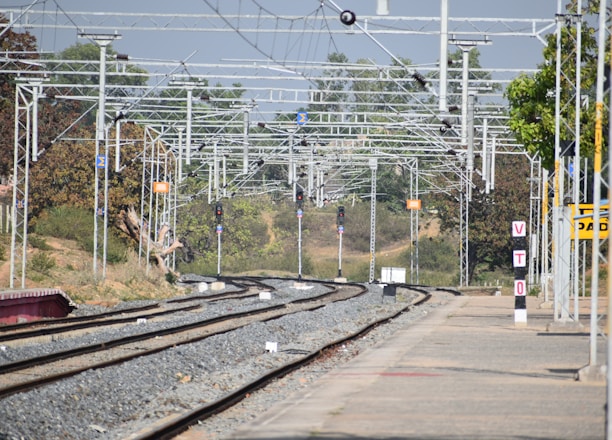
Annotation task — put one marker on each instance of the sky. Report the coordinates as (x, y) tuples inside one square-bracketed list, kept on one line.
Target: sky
[(505, 52), (160, 50)]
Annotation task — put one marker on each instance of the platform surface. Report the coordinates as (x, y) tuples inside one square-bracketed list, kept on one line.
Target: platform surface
[(465, 371)]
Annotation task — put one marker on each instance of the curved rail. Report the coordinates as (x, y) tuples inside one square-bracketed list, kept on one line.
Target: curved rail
[(33, 362), (174, 427), (84, 325), (53, 321)]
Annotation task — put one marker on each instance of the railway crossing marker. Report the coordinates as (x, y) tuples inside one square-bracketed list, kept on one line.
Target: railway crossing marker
[(519, 262)]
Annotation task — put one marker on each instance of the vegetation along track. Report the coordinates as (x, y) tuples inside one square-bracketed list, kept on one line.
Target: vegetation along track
[(59, 365)]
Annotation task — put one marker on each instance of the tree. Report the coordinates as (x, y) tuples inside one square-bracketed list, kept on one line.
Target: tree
[(245, 234), (331, 92), (77, 56), (131, 224), (532, 97), (64, 174), (490, 215), (22, 47)]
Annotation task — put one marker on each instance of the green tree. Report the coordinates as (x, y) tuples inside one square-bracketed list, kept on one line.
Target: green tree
[(76, 57), (244, 235), (532, 97), (490, 215), (331, 92), (64, 174)]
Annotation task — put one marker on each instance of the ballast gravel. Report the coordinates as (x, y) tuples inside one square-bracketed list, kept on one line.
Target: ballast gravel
[(117, 402)]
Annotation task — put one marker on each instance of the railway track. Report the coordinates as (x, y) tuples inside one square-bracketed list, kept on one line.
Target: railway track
[(211, 373), (60, 365), (247, 288), (172, 428)]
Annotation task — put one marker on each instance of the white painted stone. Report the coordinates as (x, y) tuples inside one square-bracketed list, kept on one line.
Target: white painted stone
[(520, 317), (217, 285)]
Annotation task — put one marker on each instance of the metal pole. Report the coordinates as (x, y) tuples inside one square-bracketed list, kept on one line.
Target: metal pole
[(219, 249), (180, 153), (373, 164), (102, 40), (443, 53), (117, 145), (461, 236), (558, 183), (340, 253), (99, 137), (467, 235), (35, 94), (544, 275), (216, 169), (189, 117), (599, 107), (24, 234), (576, 173), (299, 244), (290, 171), (224, 176), (245, 142), (416, 248), (464, 95), (105, 232)]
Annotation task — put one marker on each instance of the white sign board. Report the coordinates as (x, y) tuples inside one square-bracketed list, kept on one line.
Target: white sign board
[(519, 258), (393, 275)]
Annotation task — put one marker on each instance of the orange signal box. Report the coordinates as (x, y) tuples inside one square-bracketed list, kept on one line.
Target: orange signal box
[(413, 204), (161, 187)]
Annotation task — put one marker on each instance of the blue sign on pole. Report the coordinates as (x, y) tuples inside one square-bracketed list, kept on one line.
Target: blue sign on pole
[(300, 213), (302, 118), (340, 229), (219, 229), (100, 161)]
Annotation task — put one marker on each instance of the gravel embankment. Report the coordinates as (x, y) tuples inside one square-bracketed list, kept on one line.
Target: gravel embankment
[(115, 402)]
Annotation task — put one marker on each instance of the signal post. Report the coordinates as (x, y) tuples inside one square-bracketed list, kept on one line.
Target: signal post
[(299, 198), (219, 217), (340, 227)]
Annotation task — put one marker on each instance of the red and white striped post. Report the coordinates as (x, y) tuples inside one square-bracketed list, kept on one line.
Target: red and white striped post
[(519, 261)]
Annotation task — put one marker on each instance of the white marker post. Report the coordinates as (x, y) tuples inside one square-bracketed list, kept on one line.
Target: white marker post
[(519, 261)]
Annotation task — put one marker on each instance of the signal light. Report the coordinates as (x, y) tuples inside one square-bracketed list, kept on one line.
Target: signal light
[(219, 211), (299, 198), (340, 217)]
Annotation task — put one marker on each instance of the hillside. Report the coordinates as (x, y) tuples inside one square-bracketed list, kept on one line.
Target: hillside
[(62, 264), (72, 272)]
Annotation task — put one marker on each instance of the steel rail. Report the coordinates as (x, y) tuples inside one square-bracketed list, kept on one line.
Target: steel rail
[(178, 425), (74, 319), (29, 363), (90, 324)]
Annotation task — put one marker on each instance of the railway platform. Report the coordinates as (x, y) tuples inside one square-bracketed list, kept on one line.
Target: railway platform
[(465, 371)]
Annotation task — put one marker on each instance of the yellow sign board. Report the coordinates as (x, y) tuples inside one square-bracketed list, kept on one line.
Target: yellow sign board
[(585, 221), (413, 204)]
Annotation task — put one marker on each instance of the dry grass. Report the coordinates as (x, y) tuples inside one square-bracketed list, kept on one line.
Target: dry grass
[(72, 270), (73, 274)]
